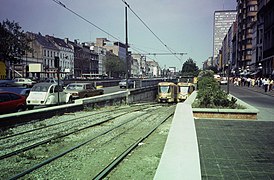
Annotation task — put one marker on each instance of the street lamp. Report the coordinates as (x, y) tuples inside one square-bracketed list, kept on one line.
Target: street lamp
[(227, 76)]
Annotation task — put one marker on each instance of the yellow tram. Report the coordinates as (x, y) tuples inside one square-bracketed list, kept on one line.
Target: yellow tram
[(184, 90), (167, 92)]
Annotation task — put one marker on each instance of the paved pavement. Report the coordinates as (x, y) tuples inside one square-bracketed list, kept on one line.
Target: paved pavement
[(236, 149), (259, 90)]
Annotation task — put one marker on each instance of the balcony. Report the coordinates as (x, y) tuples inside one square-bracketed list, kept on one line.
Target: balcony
[(248, 57), (251, 3), (252, 13), (248, 46), (249, 35)]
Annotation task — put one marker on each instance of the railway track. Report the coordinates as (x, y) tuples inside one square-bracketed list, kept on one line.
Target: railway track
[(24, 154), (52, 131)]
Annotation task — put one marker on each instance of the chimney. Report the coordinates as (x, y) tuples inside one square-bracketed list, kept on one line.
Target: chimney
[(66, 40)]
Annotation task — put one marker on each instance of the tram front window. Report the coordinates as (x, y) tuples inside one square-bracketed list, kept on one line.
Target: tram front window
[(164, 89), (183, 89)]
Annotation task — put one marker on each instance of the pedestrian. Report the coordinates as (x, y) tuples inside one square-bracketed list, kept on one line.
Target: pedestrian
[(265, 83), (261, 82), (270, 84), (239, 81), (252, 82), (248, 81)]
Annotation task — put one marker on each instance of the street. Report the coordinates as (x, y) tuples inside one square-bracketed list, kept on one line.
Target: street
[(256, 97)]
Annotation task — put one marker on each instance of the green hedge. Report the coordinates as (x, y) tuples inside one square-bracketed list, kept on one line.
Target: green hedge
[(210, 94)]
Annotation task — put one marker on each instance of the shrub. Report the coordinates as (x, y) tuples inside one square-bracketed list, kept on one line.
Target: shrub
[(210, 94)]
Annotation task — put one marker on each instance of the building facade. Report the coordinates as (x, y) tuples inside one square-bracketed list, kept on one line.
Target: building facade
[(265, 31), (43, 52), (66, 56), (246, 16), (222, 22)]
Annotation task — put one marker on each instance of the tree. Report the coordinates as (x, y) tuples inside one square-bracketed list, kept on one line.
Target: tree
[(14, 43), (190, 68), (115, 67), (213, 68)]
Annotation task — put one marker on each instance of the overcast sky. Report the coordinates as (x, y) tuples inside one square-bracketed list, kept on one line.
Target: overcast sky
[(182, 25)]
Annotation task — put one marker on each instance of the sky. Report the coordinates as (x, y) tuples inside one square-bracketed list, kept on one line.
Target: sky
[(181, 26)]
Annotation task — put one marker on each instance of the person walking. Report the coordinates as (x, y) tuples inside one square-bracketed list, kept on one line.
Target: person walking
[(270, 84), (252, 82), (265, 83), (248, 80)]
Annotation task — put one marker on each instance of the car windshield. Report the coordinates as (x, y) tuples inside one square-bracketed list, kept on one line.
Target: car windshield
[(75, 87), (40, 88)]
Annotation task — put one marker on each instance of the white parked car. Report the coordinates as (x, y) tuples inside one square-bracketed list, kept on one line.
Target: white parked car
[(46, 94), (25, 82), (54, 80)]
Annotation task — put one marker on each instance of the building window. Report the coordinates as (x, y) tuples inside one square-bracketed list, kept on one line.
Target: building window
[(252, 8)]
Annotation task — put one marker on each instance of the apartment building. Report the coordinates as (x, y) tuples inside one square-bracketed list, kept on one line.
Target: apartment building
[(246, 16), (222, 22), (43, 53), (265, 37)]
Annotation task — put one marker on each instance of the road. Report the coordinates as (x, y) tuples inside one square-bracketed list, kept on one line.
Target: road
[(257, 98), (112, 89)]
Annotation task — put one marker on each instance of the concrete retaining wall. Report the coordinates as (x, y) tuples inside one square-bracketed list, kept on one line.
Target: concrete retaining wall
[(249, 113), (180, 158), (121, 97)]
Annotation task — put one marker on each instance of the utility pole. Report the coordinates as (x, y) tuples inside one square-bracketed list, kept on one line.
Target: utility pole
[(57, 64), (127, 59)]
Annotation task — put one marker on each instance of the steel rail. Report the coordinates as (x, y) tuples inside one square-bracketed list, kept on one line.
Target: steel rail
[(69, 150), (131, 110), (54, 138), (73, 119), (116, 161)]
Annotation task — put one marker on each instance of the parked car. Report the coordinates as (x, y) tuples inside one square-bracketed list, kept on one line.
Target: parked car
[(25, 82), (18, 90), (54, 80), (11, 102), (7, 83), (82, 90), (123, 84), (46, 94)]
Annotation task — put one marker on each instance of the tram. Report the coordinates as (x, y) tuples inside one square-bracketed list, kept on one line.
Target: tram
[(167, 92), (184, 90)]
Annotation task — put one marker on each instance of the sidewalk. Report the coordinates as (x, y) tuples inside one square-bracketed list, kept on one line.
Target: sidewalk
[(236, 149), (257, 89)]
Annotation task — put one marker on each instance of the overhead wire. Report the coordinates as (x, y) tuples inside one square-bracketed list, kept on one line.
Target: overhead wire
[(64, 6), (169, 49), (110, 35)]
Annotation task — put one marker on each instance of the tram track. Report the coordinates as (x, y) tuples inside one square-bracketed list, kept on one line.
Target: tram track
[(135, 114), (54, 135), (8, 135), (132, 147)]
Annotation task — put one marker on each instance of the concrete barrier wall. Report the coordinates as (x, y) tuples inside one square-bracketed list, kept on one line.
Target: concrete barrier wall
[(143, 94), (249, 113), (180, 158), (121, 97)]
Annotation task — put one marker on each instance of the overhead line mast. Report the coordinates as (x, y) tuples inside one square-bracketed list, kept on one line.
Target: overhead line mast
[(154, 54)]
